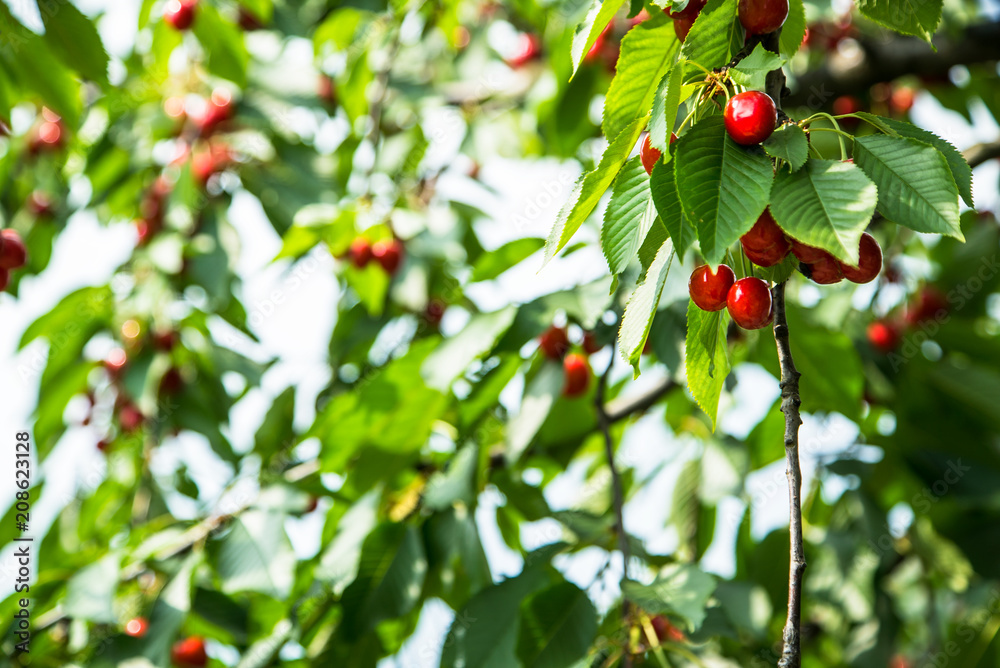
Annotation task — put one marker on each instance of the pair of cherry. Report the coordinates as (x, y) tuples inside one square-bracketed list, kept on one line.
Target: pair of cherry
[(758, 17), (748, 299), (554, 344)]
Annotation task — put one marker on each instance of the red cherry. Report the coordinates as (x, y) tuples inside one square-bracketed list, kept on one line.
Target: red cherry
[(682, 27), (179, 13), (130, 418), (388, 254), (764, 234), (13, 253), (665, 631), (434, 312), (847, 104), (901, 101), (361, 252), (900, 661), (709, 290), (749, 303), (529, 48), (869, 263), (220, 109), (760, 17), (929, 304), (825, 272), (577, 375), (138, 626), (50, 133), (203, 166), (649, 155), (769, 256), (690, 11), (595, 51), (750, 117), (172, 382), (807, 254), (189, 653), (554, 342), (4, 279), (883, 335), (590, 344)]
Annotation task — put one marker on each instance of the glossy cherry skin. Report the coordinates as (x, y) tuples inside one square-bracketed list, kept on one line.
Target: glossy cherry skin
[(750, 117), (361, 252), (869, 262), (554, 342), (709, 291), (389, 254), (180, 13), (760, 17), (577, 375), (807, 254), (13, 252), (691, 11), (770, 256), (665, 630), (883, 335), (682, 27), (137, 627), (825, 272), (764, 233), (649, 155), (189, 653), (749, 303)]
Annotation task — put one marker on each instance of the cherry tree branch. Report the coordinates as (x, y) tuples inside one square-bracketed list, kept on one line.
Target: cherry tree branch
[(604, 423), (980, 153), (888, 59)]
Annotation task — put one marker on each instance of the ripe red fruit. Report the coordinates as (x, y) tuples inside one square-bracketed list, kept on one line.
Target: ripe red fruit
[(577, 375), (929, 304), (847, 104), (749, 303), (709, 290), (665, 631), (750, 117), (590, 344), (13, 253), (682, 27), (900, 661), (760, 17), (219, 109), (883, 335), (361, 252), (769, 256), (764, 234), (901, 100), (826, 271), (598, 47), (554, 342), (649, 155), (179, 13), (203, 166), (807, 254), (690, 11), (869, 263), (529, 48), (138, 626), (434, 312), (172, 382), (4, 279), (388, 254), (130, 418), (189, 653), (49, 136)]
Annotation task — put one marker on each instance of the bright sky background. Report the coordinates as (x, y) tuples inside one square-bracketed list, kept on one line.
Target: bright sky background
[(297, 334)]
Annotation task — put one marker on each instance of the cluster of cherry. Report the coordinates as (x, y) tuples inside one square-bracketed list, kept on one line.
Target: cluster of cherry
[(554, 344), (387, 252), (758, 17)]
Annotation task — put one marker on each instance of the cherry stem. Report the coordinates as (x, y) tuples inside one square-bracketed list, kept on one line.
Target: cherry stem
[(836, 126)]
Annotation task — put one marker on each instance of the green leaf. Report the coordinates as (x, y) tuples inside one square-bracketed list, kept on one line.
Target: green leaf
[(794, 29), (458, 483), (540, 395), (256, 555), (832, 377), (586, 33), (629, 216), (485, 632), (665, 104), (390, 578), (225, 51), (663, 188), (169, 611), (679, 589), (723, 187), (642, 307), (706, 357), (338, 30), (492, 264), (276, 430), (915, 186), (959, 167), (262, 653), (788, 143), (909, 17), (73, 37), (710, 41), (826, 204), (651, 246), (90, 593), (752, 70), (647, 51), (558, 625), (591, 187), (454, 356)]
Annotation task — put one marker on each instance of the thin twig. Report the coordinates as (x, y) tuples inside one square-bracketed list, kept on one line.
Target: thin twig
[(980, 153)]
